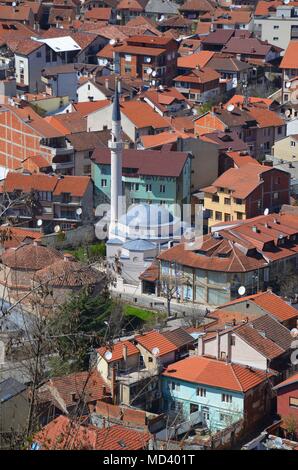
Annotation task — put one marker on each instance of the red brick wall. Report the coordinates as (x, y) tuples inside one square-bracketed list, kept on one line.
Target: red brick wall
[(283, 398), (17, 141)]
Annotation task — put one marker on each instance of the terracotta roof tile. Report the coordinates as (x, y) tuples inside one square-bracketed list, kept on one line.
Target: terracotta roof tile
[(100, 14), (199, 59), (88, 387), (88, 107), (63, 433), (154, 339), (68, 273), (205, 371), (271, 303), (262, 344), (293, 379), (147, 162), (30, 256), (117, 350)]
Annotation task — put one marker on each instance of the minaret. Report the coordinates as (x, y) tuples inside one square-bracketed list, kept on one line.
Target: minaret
[(116, 146)]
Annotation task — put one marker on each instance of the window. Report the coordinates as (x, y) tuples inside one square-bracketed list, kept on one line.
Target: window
[(127, 69), (227, 201), (238, 201), (38, 54), (279, 130), (103, 183), (239, 215), (201, 392), (87, 169), (148, 188), (275, 195), (293, 402), (193, 408), (225, 397), (127, 58), (218, 215), (275, 38), (233, 340), (227, 217), (215, 198), (162, 188), (293, 143), (210, 214), (223, 418), (275, 26), (205, 411), (175, 386)]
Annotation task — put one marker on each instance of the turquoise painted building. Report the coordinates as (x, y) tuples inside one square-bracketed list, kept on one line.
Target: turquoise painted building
[(148, 176), (220, 391)]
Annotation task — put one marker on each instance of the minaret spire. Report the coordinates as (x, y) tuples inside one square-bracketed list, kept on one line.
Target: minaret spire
[(116, 146)]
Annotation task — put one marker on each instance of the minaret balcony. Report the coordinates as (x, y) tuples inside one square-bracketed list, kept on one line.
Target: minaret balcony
[(116, 146)]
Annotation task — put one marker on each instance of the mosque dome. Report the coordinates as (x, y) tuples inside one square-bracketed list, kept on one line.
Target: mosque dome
[(148, 221)]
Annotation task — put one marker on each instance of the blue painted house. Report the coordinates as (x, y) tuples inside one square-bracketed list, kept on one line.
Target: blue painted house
[(148, 176), (223, 392)]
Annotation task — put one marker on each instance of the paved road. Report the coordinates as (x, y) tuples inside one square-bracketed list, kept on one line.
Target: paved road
[(160, 304)]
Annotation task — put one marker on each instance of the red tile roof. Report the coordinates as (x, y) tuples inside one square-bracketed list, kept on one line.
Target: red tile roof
[(88, 107), (241, 181), (270, 303), (154, 339), (101, 14), (239, 99), (68, 123), (142, 115), (65, 434), (293, 379), (66, 390), (203, 75), (75, 185), (117, 350), (254, 338), (146, 162), (240, 160), (19, 13), (30, 256), (205, 371), (199, 59)]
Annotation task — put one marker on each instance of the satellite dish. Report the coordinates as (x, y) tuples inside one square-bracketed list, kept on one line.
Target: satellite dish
[(287, 113), (154, 73), (112, 42), (161, 87), (155, 352), (241, 290), (149, 71), (294, 332), (108, 355), (79, 211), (286, 2), (39, 223), (14, 4), (288, 84), (230, 107), (57, 228), (153, 82), (266, 211)]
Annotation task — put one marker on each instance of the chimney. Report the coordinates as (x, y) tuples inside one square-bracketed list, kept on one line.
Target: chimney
[(125, 352), (114, 386), (107, 83), (218, 344), (68, 257), (254, 228)]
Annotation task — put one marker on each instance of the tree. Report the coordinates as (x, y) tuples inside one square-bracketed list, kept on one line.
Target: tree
[(291, 425), (80, 324)]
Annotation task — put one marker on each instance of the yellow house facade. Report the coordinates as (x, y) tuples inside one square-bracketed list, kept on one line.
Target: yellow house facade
[(286, 149), (223, 207)]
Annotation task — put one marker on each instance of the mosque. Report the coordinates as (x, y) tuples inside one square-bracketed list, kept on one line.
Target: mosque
[(136, 236)]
